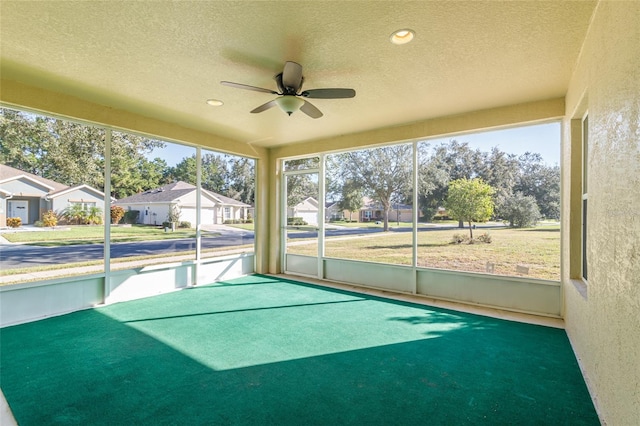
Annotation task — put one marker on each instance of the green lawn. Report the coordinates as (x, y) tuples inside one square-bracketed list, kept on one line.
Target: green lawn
[(537, 249), (245, 226), (91, 234)]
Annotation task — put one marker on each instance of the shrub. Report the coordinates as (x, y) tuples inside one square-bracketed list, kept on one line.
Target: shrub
[(174, 213), (249, 220), (38, 224), (296, 221), (14, 222), (75, 213), (49, 219), (131, 216), (117, 213), (94, 216), (459, 238), (184, 224), (520, 210), (484, 238)]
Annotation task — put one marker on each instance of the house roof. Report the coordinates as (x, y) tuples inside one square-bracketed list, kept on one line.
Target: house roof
[(465, 57), (74, 188), (371, 204), (172, 192), (8, 173)]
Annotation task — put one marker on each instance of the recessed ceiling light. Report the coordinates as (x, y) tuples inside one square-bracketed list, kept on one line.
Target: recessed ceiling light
[(403, 36), (215, 102)]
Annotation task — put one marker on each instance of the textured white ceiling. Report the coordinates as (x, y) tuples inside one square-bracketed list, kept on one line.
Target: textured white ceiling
[(165, 59)]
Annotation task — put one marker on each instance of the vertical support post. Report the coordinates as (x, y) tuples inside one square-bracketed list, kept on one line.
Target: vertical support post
[(281, 182), (321, 216), (107, 208), (198, 214), (416, 188)]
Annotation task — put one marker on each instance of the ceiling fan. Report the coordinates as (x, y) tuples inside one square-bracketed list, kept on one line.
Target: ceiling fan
[(290, 98)]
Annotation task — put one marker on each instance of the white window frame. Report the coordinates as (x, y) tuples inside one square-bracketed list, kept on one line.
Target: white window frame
[(584, 271)]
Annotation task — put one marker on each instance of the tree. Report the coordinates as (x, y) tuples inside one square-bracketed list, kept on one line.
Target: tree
[(73, 154), (23, 140), (444, 163), (304, 185), (351, 198), (382, 173), (300, 187), (540, 181), (242, 181), (214, 173), (470, 200), (521, 210), (500, 170)]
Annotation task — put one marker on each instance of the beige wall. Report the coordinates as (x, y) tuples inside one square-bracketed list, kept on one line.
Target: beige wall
[(604, 323)]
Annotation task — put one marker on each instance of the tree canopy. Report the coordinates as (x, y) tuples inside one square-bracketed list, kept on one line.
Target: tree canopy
[(383, 174), (74, 154), (470, 200)]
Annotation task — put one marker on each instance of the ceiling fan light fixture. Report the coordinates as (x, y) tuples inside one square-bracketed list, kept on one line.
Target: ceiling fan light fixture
[(215, 102), (289, 103), (402, 36)]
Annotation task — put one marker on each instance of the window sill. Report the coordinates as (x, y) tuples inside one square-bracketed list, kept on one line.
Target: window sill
[(581, 287)]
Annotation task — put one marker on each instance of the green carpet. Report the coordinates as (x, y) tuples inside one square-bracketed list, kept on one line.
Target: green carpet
[(261, 350)]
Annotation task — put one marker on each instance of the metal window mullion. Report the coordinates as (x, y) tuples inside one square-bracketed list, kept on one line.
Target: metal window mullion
[(321, 215), (414, 242), (107, 203)]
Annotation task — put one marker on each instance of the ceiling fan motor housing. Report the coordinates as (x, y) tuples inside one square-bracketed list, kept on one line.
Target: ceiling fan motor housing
[(284, 89)]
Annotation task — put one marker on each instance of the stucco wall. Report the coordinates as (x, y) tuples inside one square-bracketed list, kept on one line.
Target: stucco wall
[(604, 323)]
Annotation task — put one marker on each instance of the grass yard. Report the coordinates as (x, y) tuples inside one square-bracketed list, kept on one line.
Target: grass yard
[(537, 249), (245, 226), (91, 234)]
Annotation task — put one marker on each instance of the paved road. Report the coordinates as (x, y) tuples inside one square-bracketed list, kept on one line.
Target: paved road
[(24, 256)]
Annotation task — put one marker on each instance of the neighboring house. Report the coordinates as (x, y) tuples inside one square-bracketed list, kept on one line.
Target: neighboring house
[(307, 209), (332, 212), (154, 205), (28, 196), (373, 211)]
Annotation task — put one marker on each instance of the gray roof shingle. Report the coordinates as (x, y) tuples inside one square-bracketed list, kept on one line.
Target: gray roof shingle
[(173, 191), (8, 172)]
